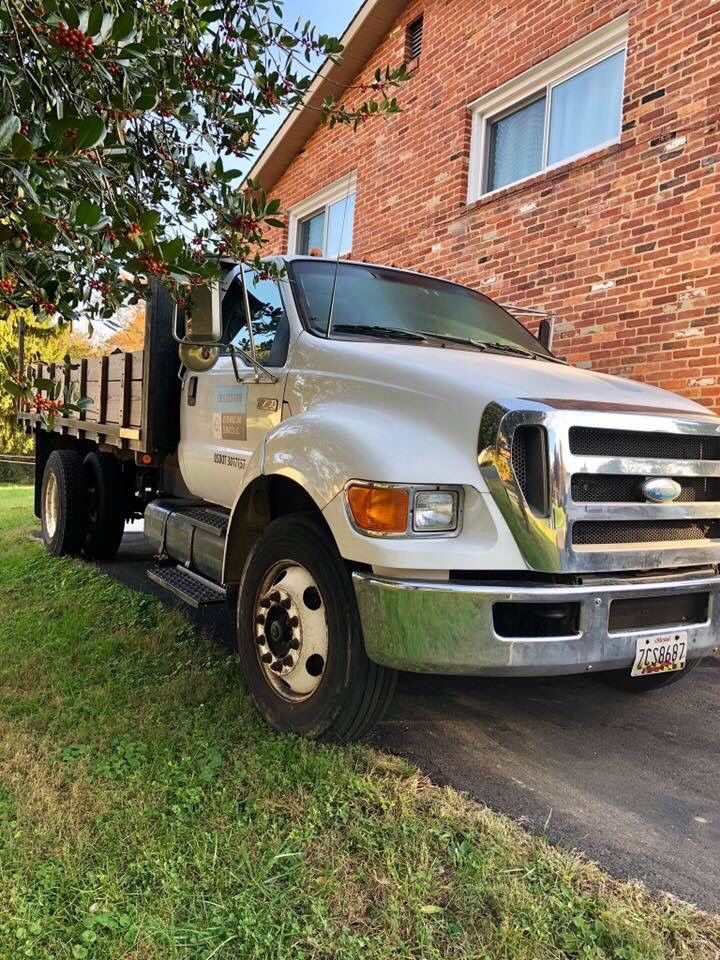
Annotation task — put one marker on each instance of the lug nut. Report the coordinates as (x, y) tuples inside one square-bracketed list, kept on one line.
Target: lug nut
[(265, 602), (288, 661), (274, 596), (293, 621), (267, 658), (260, 619), (286, 602), (277, 666), (294, 644)]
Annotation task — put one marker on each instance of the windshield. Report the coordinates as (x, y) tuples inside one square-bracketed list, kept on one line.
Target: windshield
[(367, 297)]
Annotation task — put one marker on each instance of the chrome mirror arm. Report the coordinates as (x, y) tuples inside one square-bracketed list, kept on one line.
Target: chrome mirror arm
[(262, 375)]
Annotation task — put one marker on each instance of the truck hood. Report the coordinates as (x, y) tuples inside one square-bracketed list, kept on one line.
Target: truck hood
[(460, 376)]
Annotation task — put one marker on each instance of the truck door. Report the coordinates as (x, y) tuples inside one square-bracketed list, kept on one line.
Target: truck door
[(225, 419)]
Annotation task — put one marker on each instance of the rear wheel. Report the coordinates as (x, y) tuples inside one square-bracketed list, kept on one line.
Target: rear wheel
[(105, 506), (621, 679), (300, 638), (63, 502)]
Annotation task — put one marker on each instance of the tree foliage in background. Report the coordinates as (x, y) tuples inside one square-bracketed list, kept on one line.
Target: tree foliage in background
[(43, 339), (121, 126)]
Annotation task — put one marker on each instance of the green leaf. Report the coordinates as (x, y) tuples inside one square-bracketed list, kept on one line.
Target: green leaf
[(171, 249), (87, 214), (9, 126), (95, 20), (25, 184), (124, 25), (148, 221), (90, 132), (21, 147), (42, 231), (14, 389), (147, 100), (44, 383)]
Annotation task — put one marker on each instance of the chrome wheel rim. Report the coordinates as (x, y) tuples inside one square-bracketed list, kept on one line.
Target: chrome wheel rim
[(51, 505), (291, 633)]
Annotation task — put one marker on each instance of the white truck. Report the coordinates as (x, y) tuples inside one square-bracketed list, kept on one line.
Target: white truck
[(379, 470)]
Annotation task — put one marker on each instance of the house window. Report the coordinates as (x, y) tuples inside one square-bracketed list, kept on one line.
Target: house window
[(561, 109), (323, 224), (413, 40)]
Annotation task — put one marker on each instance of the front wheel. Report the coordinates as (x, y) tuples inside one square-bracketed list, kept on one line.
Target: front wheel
[(300, 638)]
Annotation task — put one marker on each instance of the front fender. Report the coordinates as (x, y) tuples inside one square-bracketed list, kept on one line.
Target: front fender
[(327, 445)]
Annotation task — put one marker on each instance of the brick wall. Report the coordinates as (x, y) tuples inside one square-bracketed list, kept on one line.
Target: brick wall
[(624, 245)]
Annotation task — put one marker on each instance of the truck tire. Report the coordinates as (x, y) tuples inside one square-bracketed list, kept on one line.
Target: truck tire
[(105, 506), (621, 679), (63, 502), (300, 638)]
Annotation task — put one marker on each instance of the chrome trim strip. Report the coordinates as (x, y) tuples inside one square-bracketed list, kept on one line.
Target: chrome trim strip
[(442, 627), (618, 466), (546, 542)]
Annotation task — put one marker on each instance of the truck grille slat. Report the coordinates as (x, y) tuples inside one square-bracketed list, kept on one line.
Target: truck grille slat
[(603, 442), (618, 488), (604, 532)]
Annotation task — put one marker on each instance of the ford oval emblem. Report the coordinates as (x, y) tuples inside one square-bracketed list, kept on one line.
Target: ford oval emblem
[(661, 490)]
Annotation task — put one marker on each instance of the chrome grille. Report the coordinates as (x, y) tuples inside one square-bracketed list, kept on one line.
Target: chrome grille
[(598, 457)]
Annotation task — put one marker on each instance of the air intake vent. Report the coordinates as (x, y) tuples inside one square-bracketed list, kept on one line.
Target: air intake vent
[(598, 532), (530, 465), (413, 39), (621, 488), (596, 442)]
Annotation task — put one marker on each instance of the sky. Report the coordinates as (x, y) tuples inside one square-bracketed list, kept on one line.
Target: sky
[(328, 17)]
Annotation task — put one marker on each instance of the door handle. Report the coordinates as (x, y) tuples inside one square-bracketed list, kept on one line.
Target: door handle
[(192, 391)]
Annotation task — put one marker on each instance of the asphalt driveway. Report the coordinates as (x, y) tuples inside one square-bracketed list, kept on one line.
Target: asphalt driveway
[(633, 781)]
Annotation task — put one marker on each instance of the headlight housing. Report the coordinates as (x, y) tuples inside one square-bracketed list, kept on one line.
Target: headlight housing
[(396, 510), (435, 511)]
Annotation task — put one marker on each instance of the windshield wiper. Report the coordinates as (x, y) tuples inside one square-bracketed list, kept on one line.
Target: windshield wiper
[(495, 346), (520, 351), (387, 333)]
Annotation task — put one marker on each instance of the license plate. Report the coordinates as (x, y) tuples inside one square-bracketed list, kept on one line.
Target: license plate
[(663, 653)]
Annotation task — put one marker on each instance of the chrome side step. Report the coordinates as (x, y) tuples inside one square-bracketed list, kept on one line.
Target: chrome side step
[(188, 586)]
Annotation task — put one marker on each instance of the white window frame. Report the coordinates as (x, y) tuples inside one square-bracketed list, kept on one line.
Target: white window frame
[(317, 203), (538, 80)]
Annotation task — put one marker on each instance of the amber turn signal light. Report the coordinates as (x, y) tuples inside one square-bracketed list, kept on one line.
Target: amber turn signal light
[(379, 509)]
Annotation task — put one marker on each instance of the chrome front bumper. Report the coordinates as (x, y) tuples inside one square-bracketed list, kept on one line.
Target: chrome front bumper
[(444, 627)]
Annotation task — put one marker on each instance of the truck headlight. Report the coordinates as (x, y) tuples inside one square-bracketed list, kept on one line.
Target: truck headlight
[(396, 510), (435, 511)]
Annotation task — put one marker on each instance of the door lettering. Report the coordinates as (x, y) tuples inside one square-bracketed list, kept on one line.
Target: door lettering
[(230, 413)]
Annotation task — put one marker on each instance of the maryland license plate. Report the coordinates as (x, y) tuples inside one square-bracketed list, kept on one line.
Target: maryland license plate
[(663, 653)]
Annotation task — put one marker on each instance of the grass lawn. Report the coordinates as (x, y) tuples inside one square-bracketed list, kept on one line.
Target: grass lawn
[(146, 813)]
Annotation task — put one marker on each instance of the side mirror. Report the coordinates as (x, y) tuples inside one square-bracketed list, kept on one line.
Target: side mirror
[(198, 358), (203, 315), (545, 332)]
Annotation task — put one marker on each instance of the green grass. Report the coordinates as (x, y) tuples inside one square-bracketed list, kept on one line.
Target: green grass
[(147, 813)]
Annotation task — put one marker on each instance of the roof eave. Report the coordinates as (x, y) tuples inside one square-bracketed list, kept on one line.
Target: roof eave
[(366, 31)]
